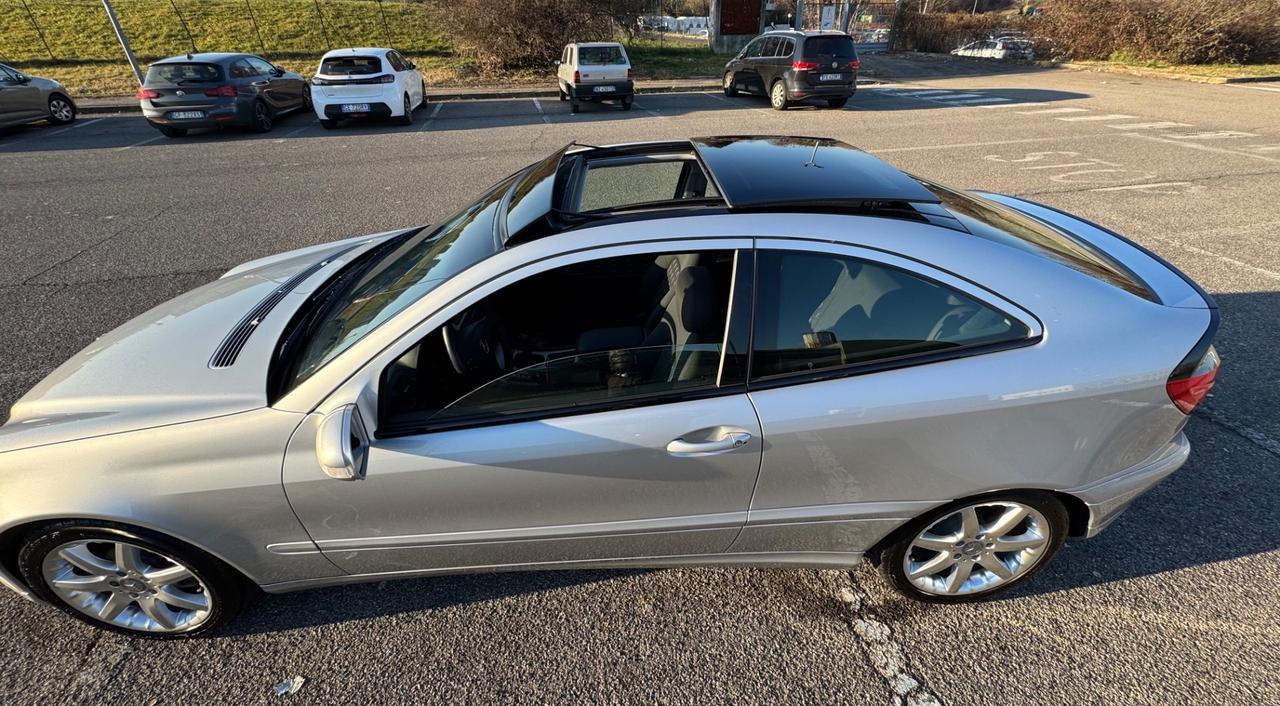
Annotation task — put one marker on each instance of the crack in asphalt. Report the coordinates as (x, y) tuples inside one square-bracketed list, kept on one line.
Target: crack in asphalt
[(1253, 436), (886, 655)]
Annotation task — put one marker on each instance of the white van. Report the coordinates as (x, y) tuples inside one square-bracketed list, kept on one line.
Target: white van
[(595, 71)]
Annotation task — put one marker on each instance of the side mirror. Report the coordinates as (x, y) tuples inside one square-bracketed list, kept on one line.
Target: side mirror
[(557, 62), (277, 71), (24, 79), (342, 444), (412, 65)]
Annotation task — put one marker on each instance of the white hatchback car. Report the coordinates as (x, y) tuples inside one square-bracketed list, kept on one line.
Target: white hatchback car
[(366, 82), (595, 71)]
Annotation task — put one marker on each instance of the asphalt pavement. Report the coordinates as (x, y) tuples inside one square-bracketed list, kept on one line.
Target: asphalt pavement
[(1175, 603)]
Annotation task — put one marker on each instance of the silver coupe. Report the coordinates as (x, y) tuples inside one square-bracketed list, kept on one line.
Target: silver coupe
[(772, 351)]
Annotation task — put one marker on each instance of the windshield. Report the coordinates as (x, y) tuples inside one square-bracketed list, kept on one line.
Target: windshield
[(183, 73), (381, 283), (599, 56)]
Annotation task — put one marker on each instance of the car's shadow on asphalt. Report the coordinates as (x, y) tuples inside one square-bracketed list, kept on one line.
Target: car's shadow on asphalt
[(326, 606)]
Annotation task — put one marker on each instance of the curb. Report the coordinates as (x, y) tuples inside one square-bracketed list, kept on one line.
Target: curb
[(98, 106)]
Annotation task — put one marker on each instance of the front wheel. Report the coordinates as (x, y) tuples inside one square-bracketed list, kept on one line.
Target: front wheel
[(730, 87), (973, 550), (61, 110), (778, 96), (130, 581)]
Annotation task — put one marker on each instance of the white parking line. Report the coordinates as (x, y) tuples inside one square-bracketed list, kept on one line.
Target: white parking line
[(139, 144), (976, 101), (1266, 148), (291, 133), (913, 94), (1203, 148), (1012, 105), (77, 126), (1148, 126), (1213, 135), (1053, 111), (538, 104), (434, 111), (1273, 89), (648, 110), (1142, 187), (953, 97), (1088, 118), (960, 145)]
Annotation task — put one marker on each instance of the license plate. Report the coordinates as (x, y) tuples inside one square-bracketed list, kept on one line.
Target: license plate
[(355, 108), (830, 77), (605, 89), (186, 115)]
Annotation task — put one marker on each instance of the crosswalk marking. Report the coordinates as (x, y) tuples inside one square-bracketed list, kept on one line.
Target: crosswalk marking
[(1089, 118), (1148, 126), (977, 101), (1012, 105)]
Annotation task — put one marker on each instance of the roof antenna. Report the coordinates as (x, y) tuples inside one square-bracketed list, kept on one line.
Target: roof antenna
[(814, 156)]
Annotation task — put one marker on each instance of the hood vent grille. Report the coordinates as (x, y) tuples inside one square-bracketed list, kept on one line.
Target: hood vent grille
[(235, 341)]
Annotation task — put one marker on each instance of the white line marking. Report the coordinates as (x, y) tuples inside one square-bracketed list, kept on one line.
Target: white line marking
[(1090, 163), (976, 101), (1223, 258), (900, 92), (1255, 88), (1053, 110), (650, 111), (887, 656), (953, 97), (1203, 148), (720, 98), (538, 104), (1149, 126), (966, 144), (1213, 135), (435, 110), (1141, 187), (291, 133), (139, 144), (1089, 118), (1266, 148), (77, 126)]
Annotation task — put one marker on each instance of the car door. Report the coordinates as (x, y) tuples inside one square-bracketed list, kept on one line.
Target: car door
[(20, 101), (290, 87), (274, 89), (747, 76), (595, 445), (762, 66), (874, 377)]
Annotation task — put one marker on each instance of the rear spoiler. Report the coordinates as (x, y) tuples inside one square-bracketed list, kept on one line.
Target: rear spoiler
[(1170, 285)]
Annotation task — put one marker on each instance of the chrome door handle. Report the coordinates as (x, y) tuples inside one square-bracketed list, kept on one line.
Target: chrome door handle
[(728, 442), (260, 83)]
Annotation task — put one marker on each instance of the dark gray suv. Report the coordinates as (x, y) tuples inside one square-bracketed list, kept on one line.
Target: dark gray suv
[(211, 90), (790, 66)]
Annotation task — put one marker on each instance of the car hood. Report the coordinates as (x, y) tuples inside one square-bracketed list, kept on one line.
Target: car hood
[(156, 369)]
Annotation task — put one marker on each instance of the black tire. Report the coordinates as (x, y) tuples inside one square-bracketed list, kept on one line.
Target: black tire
[(730, 86), (778, 99), (407, 118), (328, 124), (423, 103), (172, 131), (892, 559), (306, 99), (227, 590), (573, 105), (563, 96), (61, 110), (262, 118), (837, 102), (626, 103)]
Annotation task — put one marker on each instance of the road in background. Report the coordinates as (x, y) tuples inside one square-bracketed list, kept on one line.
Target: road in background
[(1174, 603)]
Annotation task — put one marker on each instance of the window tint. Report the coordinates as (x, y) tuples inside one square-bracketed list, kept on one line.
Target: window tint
[(818, 311), (396, 61), (241, 69), (771, 45), (607, 332), (596, 56), (994, 222), (754, 49), (7, 75), (786, 47), (838, 46), (609, 187), (351, 66), (183, 73)]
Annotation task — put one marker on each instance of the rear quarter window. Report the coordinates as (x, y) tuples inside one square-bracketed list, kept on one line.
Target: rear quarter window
[(187, 73), (351, 65), (1004, 225)]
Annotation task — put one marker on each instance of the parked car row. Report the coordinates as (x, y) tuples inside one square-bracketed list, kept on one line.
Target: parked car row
[(28, 99), (212, 90)]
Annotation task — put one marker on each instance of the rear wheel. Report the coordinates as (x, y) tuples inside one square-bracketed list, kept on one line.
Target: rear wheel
[(626, 103), (262, 120), (130, 581), (973, 550), (61, 110), (172, 131), (778, 96), (837, 102), (730, 87), (573, 105), (563, 96), (407, 117)]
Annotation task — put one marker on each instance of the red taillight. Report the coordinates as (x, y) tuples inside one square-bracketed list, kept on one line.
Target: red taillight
[(147, 94), (804, 65), (223, 91), (387, 78), (628, 74), (855, 64), (576, 77), (1191, 381)]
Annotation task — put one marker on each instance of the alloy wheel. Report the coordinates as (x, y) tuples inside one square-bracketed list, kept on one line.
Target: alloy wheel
[(61, 110), (977, 548), (128, 586), (779, 96), (262, 117)]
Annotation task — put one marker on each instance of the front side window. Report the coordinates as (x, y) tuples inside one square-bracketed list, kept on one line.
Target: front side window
[(261, 66), (607, 332), (818, 311), (753, 49)]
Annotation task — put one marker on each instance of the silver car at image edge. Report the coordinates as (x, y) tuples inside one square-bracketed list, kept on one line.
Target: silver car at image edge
[(771, 351), (28, 99)]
